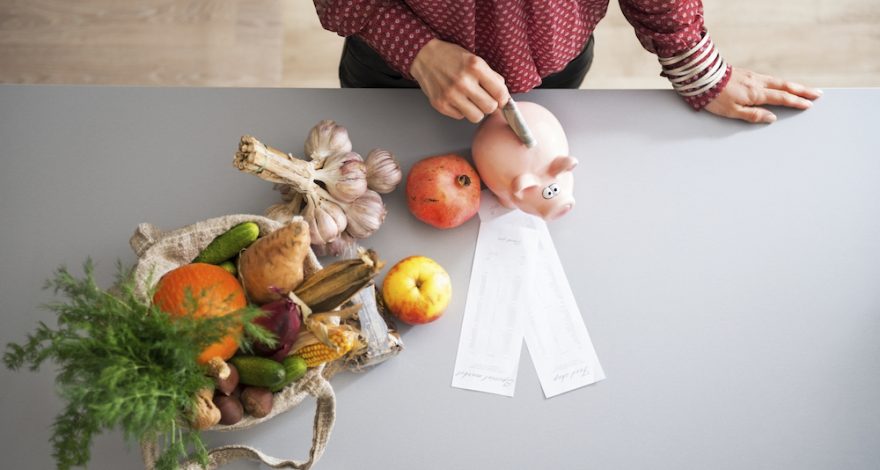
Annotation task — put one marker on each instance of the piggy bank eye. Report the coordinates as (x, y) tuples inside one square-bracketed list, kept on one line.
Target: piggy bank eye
[(550, 191)]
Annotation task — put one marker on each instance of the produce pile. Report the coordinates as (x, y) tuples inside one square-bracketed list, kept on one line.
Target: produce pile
[(308, 317), (219, 338)]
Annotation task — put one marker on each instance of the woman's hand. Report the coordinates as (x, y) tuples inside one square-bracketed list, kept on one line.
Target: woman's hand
[(747, 91), (458, 84)]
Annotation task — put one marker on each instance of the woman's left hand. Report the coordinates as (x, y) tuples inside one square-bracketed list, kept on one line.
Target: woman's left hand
[(747, 91)]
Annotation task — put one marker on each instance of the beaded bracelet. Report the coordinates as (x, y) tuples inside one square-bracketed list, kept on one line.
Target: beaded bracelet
[(709, 63)]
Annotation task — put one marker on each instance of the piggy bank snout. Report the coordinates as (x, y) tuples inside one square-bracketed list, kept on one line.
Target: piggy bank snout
[(558, 210)]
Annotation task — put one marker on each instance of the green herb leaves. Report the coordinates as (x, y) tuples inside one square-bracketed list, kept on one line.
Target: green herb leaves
[(123, 364)]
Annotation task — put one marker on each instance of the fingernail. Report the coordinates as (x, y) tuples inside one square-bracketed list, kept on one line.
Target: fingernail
[(819, 92), (808, 104), (771, 118)]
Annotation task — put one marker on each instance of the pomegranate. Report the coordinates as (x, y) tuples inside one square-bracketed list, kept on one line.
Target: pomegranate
[(443, 191)]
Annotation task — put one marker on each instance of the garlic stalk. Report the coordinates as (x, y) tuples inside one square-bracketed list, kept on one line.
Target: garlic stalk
[(274, 165), (383, 171), (326, 139)]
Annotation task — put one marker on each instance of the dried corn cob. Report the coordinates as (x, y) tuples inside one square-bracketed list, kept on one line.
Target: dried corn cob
[(335, 284), (316, 353)]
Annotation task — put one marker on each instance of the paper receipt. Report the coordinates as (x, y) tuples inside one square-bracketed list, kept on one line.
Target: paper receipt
[(492, 331), (514, 261)]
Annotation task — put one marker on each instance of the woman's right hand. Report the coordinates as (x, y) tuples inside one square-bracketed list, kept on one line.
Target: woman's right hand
[(458, 83)]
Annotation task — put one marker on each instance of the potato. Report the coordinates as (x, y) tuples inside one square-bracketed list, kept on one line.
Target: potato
[(257, 401), (231, 410), (227, 386)]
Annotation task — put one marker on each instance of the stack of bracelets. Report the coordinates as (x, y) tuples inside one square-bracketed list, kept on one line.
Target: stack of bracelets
[(697, 75)]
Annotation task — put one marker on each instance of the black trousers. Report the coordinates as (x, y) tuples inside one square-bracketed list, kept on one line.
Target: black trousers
[(362, 67)]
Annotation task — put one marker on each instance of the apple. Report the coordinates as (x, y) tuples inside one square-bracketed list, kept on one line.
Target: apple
[(443, 190), (417, 290)]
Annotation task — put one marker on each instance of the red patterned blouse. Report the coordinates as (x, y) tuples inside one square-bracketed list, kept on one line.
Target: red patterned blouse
[(523, 40)]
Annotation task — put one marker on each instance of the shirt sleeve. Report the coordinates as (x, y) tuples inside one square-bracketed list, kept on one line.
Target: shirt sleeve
[(669, 28), (389, 26)]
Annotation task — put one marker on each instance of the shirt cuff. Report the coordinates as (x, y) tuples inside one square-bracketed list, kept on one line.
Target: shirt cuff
[(698, 74), (397, 35), (700, 101)]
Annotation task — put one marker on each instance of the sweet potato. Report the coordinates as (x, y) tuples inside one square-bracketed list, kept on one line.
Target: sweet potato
[(273, 265)]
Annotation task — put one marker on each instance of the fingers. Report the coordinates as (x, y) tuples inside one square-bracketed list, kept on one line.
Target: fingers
[(447, 109), (458, 83), (490, 92), (753, 114), (483, 100), (793, 88), (747, 91), (493, 83), (459, 106), (471, 101), (466, 102), (469, 110), (784, 98)]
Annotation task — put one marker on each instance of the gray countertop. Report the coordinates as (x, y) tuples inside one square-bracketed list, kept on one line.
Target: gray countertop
[(728, 273)]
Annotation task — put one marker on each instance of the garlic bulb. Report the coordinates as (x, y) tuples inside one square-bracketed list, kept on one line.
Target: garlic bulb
[(325, 139), (335, 248), (335, 192), (365, 215), (344, 175), (326, 220), (283, 212), (383, 171)]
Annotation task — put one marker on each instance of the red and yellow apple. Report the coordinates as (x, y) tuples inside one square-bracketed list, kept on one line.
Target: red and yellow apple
[(443, 191), (417, 290)]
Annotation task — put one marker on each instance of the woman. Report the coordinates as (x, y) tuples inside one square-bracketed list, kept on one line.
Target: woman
[(467, 56)]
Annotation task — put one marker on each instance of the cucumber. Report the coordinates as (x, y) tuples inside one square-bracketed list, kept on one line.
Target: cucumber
[(259, 371), (294, 369), (229, 244), (229, 266)]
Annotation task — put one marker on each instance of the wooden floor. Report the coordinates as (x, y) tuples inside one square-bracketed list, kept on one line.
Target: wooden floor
[(280, 43)]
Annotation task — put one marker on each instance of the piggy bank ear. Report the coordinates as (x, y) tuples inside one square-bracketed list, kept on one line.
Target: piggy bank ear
[(562, 164), (523, 182)]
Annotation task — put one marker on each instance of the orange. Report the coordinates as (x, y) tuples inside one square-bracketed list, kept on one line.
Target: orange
[(215, 291)]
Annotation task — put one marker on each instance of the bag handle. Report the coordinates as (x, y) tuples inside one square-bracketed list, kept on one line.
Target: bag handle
[(325, 417), (145, 236)]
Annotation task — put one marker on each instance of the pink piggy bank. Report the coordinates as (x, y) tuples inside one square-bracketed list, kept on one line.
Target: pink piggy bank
[(536, 180)]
